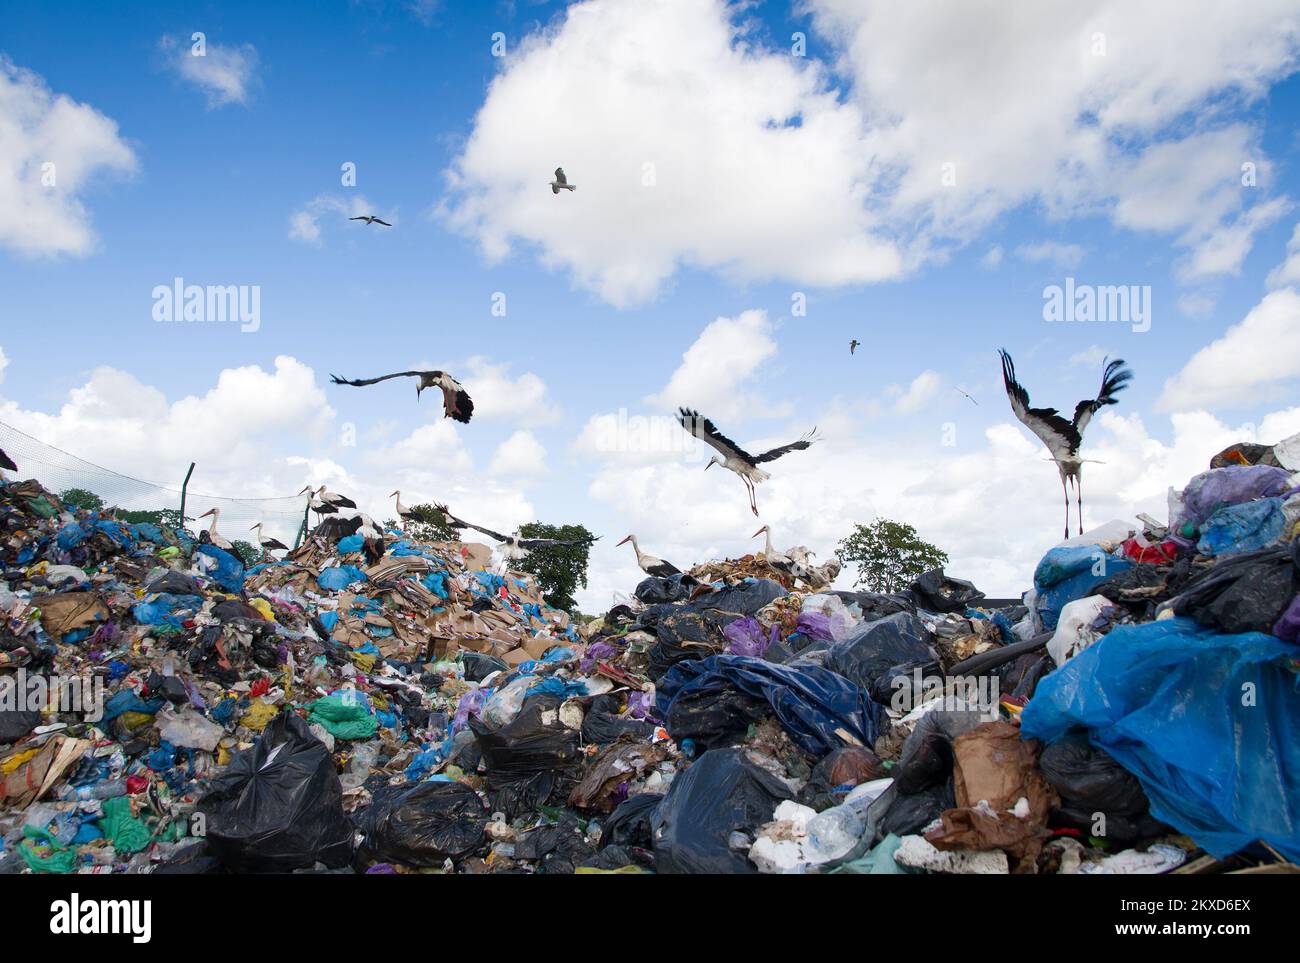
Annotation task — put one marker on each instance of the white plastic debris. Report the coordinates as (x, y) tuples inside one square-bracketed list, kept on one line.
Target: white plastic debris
[(1158, 859), (919, 853), (1073, 634)]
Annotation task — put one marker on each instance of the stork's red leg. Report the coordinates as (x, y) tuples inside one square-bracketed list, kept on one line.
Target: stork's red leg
[(1065, 488)]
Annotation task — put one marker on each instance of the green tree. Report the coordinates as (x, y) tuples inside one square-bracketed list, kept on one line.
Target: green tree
[(431, 525), (247, 553), (82, 498), (889, 555), (166, 518), (560, 570)]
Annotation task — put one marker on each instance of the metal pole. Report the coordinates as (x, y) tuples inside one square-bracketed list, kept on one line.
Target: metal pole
[(302, 529), (184, 485)]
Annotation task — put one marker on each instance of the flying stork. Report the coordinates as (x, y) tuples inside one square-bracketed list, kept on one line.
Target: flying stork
[(1062, 437), (648, 563), (215, 537), (512, 547), (370, 219), (268, 544), (561, 183), (456, 402), (734, 457), (6, 462)]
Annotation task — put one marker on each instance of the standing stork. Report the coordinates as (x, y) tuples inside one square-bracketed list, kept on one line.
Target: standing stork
[(456, 402), (403, 512), (512, 547), (1062, 437), (781, 562), (215, 537), (268, 545), (734, 457), (648, 563)]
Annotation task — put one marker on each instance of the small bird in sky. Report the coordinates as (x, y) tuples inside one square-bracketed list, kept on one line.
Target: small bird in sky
[(561, 183), (973, 401), (853, 345), (370, 219)]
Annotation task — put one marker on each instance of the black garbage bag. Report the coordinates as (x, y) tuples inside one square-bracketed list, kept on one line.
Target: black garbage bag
[(175, 583), (911, 812), (534, 741), (900, 682), (683, 635), (279, 805), (926, 759), (193, 860), (721, 794), (876, 605), (479, 666), (629, 825), (513, 793), (1035, 669), (423, 824), (714, 717), (602, 725), (871, 650), (15, 723), (1088, 778), (1118, 829), (654, 590), (1244, 593), (560, 847), (936, 592)]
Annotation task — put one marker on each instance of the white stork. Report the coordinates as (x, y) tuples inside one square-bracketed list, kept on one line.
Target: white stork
[(561, 183), (648, 563), (268, 544), (456, 402), (778, 560), (336, 529), (403, 512), (1062, 437), (6, 463), (513, 547), (734, 457), (215, 537)]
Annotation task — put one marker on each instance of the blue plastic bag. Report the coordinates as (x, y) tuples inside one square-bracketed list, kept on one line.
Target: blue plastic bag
[(1068, 573), (340, 577), (224, 569), (1205, 721), (1221, 487), (350, 543), (1243, 528)]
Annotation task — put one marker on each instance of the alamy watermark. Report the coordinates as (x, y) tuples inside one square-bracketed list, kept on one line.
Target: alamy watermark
[(217, 303), (963, 692), (1105, 303), (83, 695)]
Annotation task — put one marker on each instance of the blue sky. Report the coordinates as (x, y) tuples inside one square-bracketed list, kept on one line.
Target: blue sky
[(1122, 169)]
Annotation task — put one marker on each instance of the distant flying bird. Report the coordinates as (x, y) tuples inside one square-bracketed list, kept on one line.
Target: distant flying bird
[(973, 401), (512, 546), (853, 345), (648, 563), (6, 462), (1062, 437), (734, 457), (370, 219), (214, 536), (456, 402), (561, 183), (268, 544)]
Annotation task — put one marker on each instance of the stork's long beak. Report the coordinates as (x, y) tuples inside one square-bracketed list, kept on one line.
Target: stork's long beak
[(709, 465), (305, 490), (625, 541), (391, 494), (207, 513), (255, 528), (759, 532)]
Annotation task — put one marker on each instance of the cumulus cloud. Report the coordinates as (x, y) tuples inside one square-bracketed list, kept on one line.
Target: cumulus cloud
[(498, 394), (1260, 352), (1066, 256), (1288, 272), (521, 456), (226, 74), (52, 148), (992, 257), (726, 354), (919, 393)]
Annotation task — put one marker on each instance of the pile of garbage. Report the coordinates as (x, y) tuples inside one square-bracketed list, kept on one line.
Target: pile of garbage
[(421, 713)]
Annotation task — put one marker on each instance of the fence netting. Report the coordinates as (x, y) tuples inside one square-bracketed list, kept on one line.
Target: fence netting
[(137, 500)]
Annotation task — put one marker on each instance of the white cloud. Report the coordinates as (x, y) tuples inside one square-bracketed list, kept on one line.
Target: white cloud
[(1260, 352), (499, 395), (520, 456), (1066, 256), (1092, 356), (4, 364), (1224, 249), (305, 226), (52, 148), (727, 352), (992, 258), (225, 74), (919, 393), (1196, 304), (1288, 272)]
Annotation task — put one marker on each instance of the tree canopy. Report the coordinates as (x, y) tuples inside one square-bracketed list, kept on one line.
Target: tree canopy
[(560, 570), (890, 555)]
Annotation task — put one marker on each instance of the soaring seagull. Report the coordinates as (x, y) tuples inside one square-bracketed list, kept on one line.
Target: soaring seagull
[(512, 546), (456, 402), (734, 457), (370, 219), (853, 345), (1062, 437), (561, 183)]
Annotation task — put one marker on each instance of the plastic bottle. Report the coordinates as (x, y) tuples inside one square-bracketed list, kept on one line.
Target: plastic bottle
[(101, 790)]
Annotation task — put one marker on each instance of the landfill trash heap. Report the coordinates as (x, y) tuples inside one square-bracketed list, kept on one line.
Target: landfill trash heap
[(1134, 713)]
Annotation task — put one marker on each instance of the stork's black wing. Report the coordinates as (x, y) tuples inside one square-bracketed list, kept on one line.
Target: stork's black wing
[(362, 382), (478, 528), (705, 430), (376, 220), (1060, 436), (274, 544), (772, 455), (6, 462), (343, 502), (1115, 377)]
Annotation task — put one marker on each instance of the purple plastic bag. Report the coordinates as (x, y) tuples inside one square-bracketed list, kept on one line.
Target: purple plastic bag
[(601, 651), (748, 637), (1219, 487), (471, 703), (1288, 626), (815, 626)]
